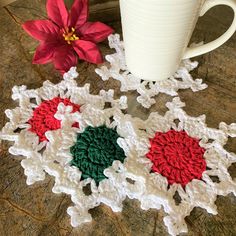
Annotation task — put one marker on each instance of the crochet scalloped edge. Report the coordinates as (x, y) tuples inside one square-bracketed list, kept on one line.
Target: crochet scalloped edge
[(118, 70)]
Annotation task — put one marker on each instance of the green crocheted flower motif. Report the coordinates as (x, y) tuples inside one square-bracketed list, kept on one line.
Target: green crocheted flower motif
[(95, 150)]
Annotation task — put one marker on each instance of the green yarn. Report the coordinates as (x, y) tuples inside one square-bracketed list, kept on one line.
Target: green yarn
[(95, 150)]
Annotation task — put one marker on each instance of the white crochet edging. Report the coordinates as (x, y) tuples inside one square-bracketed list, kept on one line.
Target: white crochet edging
[(68, 178), (26, 143), (146, 90), (133, 178), (152, 189)]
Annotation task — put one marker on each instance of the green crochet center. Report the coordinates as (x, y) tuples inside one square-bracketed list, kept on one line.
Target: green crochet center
[(95, 150)]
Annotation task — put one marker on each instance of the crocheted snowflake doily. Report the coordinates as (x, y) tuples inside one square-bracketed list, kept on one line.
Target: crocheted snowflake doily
[(80, 158), (146, 90), (100, 155), (36, 116), (175, 162)]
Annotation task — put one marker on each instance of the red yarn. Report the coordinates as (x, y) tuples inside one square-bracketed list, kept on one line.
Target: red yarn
[(43, 118), (177, 156)]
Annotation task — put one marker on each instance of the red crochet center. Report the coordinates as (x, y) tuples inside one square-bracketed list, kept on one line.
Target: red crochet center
[(43, 118), (177, 156)]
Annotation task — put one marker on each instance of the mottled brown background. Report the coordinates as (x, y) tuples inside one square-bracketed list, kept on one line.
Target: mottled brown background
[(35, 210)]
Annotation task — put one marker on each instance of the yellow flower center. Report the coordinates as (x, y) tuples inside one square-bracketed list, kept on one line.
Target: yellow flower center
[(70, 35)]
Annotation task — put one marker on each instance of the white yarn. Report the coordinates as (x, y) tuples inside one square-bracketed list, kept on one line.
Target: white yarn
[(57, 158), (133, 178), (151, 189), (26, 143), (147, 90)]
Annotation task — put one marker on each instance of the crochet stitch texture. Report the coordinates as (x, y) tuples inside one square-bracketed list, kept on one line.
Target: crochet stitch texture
[(177, 156), (133, 175), (95, 150), (117, 69), (43, 118)]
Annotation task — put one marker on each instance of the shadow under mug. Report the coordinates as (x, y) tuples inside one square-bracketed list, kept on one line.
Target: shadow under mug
[(157, 32)]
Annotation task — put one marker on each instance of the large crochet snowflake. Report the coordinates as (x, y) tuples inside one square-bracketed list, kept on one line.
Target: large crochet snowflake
[(36, 116), (80, 158), (146, 90), (175, 162)]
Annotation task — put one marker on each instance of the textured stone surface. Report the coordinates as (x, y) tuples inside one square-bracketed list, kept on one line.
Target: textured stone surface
[(35, 210)]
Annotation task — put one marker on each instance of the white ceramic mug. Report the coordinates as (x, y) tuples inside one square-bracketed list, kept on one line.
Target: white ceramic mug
[(157, 32)]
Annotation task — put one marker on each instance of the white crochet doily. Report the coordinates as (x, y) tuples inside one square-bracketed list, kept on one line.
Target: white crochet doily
[(151, 188), (68, 178), (146, 90), (27, 143), (133, 176)]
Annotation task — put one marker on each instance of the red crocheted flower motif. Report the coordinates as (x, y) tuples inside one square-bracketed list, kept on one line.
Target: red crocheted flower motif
[(43, 118), (177, 156)]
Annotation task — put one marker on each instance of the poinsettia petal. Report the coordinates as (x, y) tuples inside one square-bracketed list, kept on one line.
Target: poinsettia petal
[(64, 58), (88, 51), (57, 12), (79, 13), (44, 52), (42, 30), (95, 31)]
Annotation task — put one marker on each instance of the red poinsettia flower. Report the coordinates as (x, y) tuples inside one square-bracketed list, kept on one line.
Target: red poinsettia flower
[(66, 34)]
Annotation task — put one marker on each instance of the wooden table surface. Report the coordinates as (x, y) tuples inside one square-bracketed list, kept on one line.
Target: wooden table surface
[(34, 210)]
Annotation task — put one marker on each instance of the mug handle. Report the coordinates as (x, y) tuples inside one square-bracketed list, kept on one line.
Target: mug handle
[(196, 51)]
